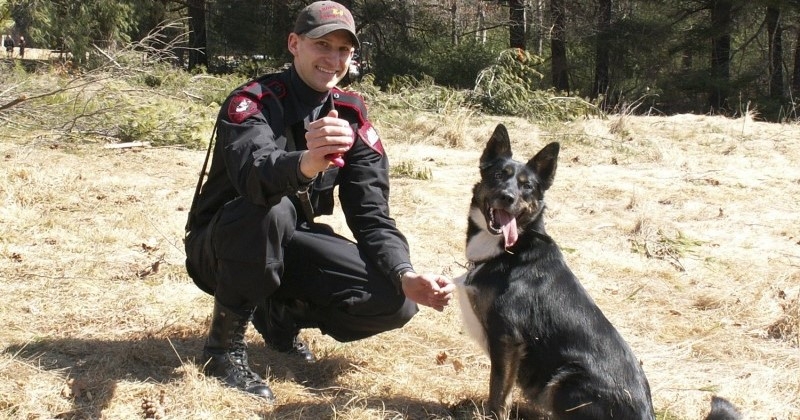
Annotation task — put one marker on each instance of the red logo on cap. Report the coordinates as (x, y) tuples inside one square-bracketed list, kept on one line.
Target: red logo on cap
[(333, 12)]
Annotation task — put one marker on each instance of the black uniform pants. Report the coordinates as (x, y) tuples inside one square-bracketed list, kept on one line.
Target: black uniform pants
[(250, 253)]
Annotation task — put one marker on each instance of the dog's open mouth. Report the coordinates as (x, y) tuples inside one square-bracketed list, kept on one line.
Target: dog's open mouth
[(501, 221)]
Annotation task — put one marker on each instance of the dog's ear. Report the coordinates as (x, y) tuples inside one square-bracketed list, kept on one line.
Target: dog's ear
[(545, 163), (499, 146)]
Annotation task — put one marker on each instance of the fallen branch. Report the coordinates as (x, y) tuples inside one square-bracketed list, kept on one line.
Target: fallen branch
[(127, 145), (111, 59), (22, 98)]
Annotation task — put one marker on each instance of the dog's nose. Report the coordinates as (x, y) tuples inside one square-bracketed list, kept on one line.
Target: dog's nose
[(506, 198)]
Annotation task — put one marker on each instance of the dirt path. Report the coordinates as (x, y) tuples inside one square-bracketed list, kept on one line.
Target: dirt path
[(34, 54)]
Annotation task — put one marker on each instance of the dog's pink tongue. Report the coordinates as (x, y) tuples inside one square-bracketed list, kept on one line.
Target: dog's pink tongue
[(509, 224)]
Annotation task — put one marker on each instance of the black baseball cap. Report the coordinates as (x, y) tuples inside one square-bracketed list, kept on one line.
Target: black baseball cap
[(323, 17)]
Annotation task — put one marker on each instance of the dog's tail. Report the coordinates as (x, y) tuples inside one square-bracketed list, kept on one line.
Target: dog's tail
[(722, 409)]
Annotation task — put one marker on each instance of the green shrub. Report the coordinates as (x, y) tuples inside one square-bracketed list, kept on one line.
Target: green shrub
[(454, 66), (512, 86), (406, 169), (165, 123), (408, 92), (457, 66)]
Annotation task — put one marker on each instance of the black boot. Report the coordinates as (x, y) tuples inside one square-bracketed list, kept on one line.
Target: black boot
[(279, 323), (225, 352)]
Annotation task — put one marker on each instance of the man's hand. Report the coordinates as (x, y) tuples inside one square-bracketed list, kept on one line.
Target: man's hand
[(326, 137), (430, 290)]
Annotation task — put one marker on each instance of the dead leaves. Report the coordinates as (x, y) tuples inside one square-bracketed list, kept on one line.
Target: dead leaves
[(154, 407), (787, 327), (442, 357), (76, 388), (150, 247), (152, 268)]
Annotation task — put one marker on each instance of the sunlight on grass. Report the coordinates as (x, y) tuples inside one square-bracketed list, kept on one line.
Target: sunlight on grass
[(684, 229)]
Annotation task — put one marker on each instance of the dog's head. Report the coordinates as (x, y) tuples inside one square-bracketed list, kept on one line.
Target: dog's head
[(509, 198)]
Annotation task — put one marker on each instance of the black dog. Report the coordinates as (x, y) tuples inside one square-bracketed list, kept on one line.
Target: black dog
[(539, 326)]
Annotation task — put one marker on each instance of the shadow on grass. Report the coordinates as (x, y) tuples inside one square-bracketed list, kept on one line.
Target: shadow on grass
[(91, 370)]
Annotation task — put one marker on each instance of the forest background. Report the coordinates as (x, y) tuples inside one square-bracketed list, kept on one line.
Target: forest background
[(701, 56), (675, 202)]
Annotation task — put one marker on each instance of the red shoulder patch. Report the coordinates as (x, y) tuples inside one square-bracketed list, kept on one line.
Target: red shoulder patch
[(241, 107), (353, 101), (370, 136)]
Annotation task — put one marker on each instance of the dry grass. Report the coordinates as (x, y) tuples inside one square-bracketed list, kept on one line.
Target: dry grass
[(684, 229)]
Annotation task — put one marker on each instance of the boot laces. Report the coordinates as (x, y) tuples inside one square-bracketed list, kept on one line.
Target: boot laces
[(238, 354)]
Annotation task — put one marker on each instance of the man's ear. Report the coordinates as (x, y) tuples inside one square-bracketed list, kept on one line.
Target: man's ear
[(292, 43)]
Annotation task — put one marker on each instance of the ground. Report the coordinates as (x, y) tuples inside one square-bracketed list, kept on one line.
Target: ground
[(684, 229)]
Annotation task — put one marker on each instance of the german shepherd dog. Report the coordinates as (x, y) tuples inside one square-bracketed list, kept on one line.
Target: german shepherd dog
[(521, 302)]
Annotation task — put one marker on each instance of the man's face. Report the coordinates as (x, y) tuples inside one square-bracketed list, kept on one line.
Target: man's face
[(322, 62)]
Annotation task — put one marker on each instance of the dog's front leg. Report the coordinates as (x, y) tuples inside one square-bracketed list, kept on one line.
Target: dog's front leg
[(505, 359)]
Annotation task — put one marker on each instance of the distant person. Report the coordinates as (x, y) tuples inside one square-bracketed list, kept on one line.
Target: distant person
[(21, 46), (9, 44)]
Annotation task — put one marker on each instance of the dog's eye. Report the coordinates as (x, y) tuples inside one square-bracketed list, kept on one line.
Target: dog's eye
[(525, 183)]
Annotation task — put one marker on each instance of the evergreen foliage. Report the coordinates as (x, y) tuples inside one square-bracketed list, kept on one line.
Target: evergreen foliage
[(79, 26), (513, 86), (661, 51)]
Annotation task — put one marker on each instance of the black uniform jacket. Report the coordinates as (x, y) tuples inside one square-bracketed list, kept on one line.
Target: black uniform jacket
[(253, 159)]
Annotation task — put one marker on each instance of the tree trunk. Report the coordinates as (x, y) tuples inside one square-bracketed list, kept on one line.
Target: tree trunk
[(480, 33), (453, 23), (558, 46), (720, 55), (775, 32), (197, 36), (516, 31), (602, 50), (796, 74), (539, 18)]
